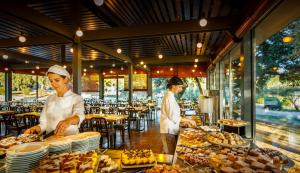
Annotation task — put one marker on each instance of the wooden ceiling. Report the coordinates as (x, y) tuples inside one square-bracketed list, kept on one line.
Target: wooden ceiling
[(141, 28)]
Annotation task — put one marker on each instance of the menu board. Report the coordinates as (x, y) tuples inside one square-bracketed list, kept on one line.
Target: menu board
[(139, 82)]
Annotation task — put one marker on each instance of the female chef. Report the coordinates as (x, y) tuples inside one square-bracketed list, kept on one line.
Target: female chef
[(170, 116), (64, 110)]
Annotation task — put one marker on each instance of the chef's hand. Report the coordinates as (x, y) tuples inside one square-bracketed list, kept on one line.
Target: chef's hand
[(62, 126), (33, 130)]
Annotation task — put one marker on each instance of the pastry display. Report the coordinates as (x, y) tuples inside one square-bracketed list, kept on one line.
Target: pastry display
[(185, 124), (210, 128), (233, 122), (74, 162), (227, 139), (24, 138), (166, 168), (137, 157), (199, 156), (193, 139), (194, 134), (106, 165)]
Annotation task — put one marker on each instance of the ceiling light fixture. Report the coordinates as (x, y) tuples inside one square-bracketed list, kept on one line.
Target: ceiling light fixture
[(22, 38), (71, 50), (199, 45), (84, 74), (79, 33), (84, 70), (103, 73), (160, 56), (157, 72), (32, 71), (119, 50), (142, 62), (203, 22), (91, 66), (171, 69), (6, 69), (65, 66), (111, 71), (196, 60), (193, 70), (122, 68), (145, 66), (98, 2), (26, 62), (113, 65), (195, 65), (37, 67), (5, 56), (134, 72)]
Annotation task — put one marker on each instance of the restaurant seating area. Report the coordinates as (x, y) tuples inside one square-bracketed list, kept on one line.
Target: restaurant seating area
[(101, 73)]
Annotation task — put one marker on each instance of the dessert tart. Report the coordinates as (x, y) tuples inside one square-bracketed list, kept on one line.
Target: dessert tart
[(137, 157)]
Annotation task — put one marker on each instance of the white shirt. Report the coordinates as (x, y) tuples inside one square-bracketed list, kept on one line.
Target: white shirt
[(170, 114), (57, 109)]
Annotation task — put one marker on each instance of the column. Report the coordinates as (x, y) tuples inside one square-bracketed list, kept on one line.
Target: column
[(76, 68), (130, 83), (117, 86), (101, 84), (248, 96), (149, 84), (8, 86)]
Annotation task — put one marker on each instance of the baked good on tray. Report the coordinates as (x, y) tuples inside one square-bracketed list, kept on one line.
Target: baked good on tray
[(137, 157)]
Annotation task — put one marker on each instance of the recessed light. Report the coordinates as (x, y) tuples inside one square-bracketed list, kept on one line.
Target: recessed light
[(196, 60), (79, 33), (160, 56), (199, 45), (84, 70), (195, 65), (119, 50), (91, 66), (22, 39), (5, 56), (71, 50), (171, 69), (203, 22)]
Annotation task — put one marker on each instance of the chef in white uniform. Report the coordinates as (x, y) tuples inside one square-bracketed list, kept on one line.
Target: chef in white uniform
[(170, 115), (63, 111)]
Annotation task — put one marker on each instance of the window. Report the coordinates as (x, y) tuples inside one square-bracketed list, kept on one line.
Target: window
[(90, 85), (2, 86), (123, 95), (225, 78), (236, 77), (24, 87), (110, 89), (44, 87), (278, 90)]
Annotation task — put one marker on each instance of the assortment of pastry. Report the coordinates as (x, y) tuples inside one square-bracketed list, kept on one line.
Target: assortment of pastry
[(210, 128), (199, 156), (73, 162), (166, 168), (24, 138), (189, 134), (233, 122), (137, 157), (227, 139), (107, 165)]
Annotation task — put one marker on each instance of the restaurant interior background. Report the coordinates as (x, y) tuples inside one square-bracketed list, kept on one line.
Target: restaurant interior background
[(258, 80)]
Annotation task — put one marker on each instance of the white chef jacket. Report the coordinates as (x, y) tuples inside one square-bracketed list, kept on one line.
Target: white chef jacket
[(57, 109), (170, 114)]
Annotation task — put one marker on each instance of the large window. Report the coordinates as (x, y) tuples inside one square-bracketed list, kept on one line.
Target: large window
[(237, 64), (24, 87), (278, 90), (110, 89), (2, 86), (44, 87), (225, 78), (123, 95), (90, 85)]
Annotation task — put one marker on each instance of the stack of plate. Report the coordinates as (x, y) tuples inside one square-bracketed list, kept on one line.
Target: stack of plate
[(80, 143), (24, 157), (60, 146), (94, 140)]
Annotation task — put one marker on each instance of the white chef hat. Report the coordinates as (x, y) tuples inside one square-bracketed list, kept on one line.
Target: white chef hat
[(57, 69)]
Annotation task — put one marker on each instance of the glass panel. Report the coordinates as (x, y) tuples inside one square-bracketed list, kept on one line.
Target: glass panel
[(90, 85), (139, 95), (23, 87), (123, 95), (110, 88), (225, 88), (192, 91), (2, 86), (158, 89), (44, 87), (237, 64), (278, 91)]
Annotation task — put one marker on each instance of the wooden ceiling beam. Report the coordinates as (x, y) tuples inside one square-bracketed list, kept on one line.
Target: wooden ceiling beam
[(30, 58), (33, 41), (31, 16), (158, 29), (173, 59)]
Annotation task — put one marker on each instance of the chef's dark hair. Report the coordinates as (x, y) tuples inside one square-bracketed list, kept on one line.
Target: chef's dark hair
[(174, 81)]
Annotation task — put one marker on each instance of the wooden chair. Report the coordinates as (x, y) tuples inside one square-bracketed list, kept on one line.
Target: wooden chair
[(13, 123), (30, 120), (101, 125)]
